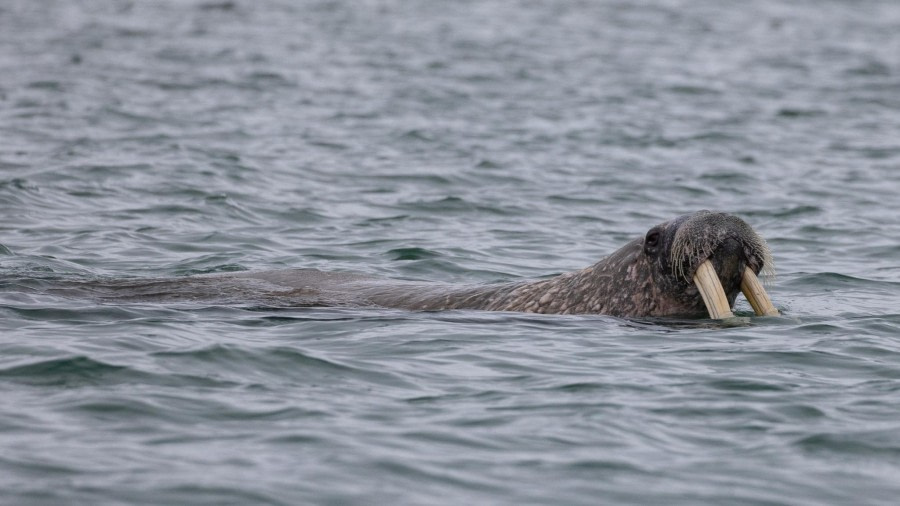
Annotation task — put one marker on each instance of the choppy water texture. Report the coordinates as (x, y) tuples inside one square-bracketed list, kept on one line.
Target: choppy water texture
[(465, 141)]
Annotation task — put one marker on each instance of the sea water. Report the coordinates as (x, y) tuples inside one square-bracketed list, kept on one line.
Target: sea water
[(463, 141)]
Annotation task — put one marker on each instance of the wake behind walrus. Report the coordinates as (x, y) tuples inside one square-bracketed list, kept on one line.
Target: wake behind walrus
[(691, 266)]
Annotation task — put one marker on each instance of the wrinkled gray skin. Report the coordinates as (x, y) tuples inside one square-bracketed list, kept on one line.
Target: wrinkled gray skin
[(649, 276)]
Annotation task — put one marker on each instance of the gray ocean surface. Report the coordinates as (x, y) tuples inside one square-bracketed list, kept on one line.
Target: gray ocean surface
[(457, 141)]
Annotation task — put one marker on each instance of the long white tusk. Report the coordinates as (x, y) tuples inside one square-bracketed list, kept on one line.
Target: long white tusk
[(711, 290), (756, 294)]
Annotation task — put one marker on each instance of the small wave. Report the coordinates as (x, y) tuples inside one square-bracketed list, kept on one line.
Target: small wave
[(81, 370), (859, 444)]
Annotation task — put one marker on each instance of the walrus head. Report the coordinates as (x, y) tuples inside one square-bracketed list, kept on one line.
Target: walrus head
[(697, 263), (693, 265)]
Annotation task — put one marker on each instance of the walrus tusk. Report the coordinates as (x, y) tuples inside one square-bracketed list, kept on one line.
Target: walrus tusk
[(756, 294), (711, 290)]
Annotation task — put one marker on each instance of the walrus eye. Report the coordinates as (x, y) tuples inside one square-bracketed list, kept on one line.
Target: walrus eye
[(651, 241)]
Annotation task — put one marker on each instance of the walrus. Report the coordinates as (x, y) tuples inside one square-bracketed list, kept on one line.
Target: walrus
[(691, 266)]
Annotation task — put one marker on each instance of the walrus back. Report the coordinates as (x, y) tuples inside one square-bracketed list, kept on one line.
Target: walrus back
[(291, 288)]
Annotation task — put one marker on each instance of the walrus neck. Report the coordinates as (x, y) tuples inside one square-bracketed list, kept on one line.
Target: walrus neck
[(589, 290), (552, 295)]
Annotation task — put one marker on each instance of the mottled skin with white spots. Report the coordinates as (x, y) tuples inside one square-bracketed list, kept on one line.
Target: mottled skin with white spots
[(649, 276)]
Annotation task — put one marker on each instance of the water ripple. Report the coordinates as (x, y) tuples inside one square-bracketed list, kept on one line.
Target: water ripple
[(468, 142)]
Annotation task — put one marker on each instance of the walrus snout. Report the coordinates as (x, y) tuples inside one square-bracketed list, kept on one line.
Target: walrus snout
[(706, 235), (721, 254), (718, 278)]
